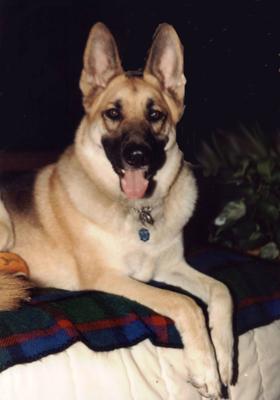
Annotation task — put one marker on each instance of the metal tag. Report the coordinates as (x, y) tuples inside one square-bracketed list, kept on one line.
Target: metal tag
[(145, 216), (144, 234)]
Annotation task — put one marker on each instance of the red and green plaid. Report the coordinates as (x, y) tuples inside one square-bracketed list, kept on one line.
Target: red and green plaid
[(55, 319)]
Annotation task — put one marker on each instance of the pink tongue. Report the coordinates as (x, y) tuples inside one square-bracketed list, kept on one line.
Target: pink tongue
[(134, 183)]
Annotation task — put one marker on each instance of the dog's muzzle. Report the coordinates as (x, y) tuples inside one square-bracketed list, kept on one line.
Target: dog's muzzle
[(136, 155), (135, 158)]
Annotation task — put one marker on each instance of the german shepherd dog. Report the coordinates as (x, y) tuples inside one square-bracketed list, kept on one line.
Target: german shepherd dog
[(109, 214)]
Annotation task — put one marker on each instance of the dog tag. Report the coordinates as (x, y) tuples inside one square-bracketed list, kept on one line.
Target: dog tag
[(144, 234), (145, 216)]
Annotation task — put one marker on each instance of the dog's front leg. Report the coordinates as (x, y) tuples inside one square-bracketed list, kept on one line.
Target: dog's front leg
[(217, 297), (188, 318)]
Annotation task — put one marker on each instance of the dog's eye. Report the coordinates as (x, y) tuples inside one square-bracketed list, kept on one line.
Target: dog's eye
[(113, 113), (155, 116)]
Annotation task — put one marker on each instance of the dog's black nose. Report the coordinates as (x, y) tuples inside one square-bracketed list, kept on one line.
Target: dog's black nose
[(136, 155)]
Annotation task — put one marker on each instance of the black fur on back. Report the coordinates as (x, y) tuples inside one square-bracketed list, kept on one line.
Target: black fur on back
[(16, 190)]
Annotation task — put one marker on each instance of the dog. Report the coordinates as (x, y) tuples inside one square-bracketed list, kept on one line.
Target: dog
[(109, 214)]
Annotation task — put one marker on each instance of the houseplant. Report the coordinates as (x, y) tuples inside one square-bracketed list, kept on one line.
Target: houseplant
[(246, 165)]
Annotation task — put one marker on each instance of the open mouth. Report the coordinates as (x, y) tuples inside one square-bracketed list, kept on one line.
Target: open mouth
[(134, 182), (136, 162)]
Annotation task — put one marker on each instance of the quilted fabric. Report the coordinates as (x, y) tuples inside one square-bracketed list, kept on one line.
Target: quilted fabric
[(141, 372)]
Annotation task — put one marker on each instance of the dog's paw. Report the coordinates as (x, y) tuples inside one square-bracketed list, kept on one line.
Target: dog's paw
[(13, 291), (223, 343), (220, 319), (199, 353), (203, 374)]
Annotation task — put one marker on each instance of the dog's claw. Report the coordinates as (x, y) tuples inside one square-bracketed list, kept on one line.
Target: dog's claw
[(209, 390), (205, 392)]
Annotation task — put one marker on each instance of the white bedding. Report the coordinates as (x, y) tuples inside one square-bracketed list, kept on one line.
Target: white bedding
[(143, 372)]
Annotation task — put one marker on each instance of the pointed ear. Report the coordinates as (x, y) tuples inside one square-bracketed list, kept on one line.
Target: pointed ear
[(101, 61), (166, 61)]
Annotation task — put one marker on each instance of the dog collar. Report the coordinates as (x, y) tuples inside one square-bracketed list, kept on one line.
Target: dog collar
[(145, 217)]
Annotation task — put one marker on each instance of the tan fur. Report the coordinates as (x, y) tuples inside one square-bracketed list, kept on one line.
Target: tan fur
[(82, 233), (12, 291)]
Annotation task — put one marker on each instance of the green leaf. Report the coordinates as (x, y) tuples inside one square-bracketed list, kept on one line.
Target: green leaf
[(231, 212), (277, 235), (255, 237), (244, 229), (267, 211), (255, 242), (264, 168), (275, 177), (255, 143), (242, 167), (269, 251)]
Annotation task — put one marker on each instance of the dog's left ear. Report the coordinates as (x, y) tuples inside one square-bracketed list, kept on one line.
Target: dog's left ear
[(166, 61), (101, 62)]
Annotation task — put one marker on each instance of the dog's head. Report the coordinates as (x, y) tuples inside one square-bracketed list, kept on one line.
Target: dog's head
[(131, 116)]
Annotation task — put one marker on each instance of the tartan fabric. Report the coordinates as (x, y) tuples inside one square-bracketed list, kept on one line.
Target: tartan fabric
[(253, 282), (54, 319)]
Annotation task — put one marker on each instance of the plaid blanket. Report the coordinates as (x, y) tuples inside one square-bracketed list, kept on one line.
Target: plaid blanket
[(54, 319), (254, 284)]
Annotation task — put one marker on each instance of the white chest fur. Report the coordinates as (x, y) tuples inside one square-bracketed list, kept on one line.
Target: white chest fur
[(120, 246)]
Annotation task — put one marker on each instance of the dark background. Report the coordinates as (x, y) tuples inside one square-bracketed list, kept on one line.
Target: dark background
[(231, 52)]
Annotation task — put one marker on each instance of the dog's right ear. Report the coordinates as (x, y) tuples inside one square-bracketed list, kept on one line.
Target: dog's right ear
[(166, 62), (101, 62)]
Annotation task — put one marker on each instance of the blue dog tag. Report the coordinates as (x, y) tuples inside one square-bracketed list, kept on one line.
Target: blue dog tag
[(144, 234)]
